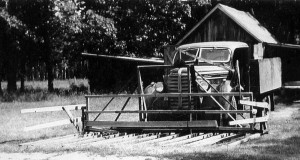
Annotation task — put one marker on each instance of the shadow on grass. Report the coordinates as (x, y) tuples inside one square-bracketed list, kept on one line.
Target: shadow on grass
[(288, 147), (276, 149), (222, 156), (287, 96)]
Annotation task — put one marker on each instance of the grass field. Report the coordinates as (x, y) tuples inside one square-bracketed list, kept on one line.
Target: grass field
[(36, 95), (65, 84), (283, 141)]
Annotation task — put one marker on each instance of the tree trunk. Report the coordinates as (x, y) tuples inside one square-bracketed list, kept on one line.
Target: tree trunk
[(48, 61), (11, 80), (12, 68), (1, 73), (49, 68), (22, 75), (1, 91)]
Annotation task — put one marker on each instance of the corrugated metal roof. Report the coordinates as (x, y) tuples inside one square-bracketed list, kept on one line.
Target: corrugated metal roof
[(243, 19)]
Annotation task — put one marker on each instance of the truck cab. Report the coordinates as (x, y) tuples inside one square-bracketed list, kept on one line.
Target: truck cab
[(213, 63)]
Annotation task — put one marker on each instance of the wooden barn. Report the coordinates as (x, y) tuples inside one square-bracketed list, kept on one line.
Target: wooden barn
[(224, 23)]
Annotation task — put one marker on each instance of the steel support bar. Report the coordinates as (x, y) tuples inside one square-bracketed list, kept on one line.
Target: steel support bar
[(155, 124), (175, 111), (215, 90), (104, 108), (220, 105), (170, 95), (125, 104), (155, 66), (186, 129), (142, 101)]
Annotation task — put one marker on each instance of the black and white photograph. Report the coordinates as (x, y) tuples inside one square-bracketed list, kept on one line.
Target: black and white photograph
[(149, 79)]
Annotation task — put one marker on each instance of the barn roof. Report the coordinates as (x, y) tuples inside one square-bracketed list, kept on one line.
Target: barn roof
[(244, 20)]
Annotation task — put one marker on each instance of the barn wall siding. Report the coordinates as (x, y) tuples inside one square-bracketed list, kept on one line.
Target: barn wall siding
[(219, 27)]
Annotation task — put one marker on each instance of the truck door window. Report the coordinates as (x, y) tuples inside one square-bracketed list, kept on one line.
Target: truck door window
[(215, 55)]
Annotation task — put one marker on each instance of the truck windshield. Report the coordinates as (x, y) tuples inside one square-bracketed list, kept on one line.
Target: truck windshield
[(189, 54), (215, 55), (186, 55)]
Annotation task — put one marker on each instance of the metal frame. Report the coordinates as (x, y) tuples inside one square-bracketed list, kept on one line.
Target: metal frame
[(89, 125), (167, 126)]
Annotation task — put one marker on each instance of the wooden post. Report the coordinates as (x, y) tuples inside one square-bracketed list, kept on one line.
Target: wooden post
[(272, 102), (72, 119), (83, 120), (251, 113), (87, 115)]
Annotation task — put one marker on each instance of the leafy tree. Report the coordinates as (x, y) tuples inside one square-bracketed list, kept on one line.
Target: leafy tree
[(11, 31), (83, 30), (51, 23), (144, 26), (38, 16)]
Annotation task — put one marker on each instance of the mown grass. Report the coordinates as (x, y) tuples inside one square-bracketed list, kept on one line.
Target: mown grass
[(283, 141), (67, 93), (35, 96)]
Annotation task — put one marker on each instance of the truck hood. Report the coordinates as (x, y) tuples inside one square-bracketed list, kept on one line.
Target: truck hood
[(212, 72), (210, 69), (209, 72)]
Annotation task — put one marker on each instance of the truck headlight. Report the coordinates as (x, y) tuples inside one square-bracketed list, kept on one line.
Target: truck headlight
[(159, 87), (204, 86)]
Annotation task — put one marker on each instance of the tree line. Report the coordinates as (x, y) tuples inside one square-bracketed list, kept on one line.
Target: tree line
[(48, 33)]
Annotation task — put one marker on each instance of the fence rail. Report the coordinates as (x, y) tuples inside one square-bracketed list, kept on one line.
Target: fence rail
[(71, 120)]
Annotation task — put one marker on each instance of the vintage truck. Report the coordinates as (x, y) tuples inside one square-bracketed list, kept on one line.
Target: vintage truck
[(212, 67)]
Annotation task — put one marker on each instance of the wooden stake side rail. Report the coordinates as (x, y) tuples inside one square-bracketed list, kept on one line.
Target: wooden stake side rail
[(255, 104), (54, 108), (249, 120), (171, 95), (175, 111), (53, 124), (72, 120)]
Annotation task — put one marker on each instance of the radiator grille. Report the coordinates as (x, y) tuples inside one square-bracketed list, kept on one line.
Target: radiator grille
[(179, 82)]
